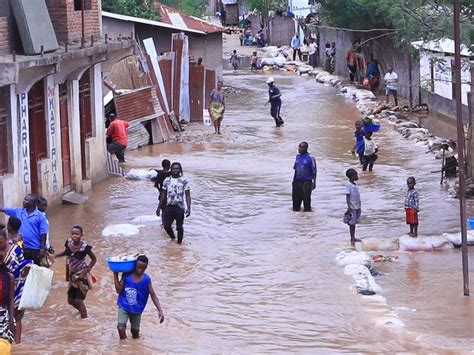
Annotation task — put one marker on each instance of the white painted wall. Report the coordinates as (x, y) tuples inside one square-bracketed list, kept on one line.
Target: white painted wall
[(442, 75)]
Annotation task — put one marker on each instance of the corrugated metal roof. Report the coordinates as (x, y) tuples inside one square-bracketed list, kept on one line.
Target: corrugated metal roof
[(148, 22), (444, 45), (173, 16)]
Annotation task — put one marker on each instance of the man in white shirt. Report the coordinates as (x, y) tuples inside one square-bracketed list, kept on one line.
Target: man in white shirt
[(296, 45), (312, 53), (391, 81)]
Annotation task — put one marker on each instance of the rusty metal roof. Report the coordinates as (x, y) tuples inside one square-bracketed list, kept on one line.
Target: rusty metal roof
[(179, 19)]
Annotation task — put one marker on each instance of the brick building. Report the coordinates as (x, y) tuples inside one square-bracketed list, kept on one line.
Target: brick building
[(51, 113)]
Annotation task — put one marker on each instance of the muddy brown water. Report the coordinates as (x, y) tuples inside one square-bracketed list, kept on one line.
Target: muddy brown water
[(253, 276)]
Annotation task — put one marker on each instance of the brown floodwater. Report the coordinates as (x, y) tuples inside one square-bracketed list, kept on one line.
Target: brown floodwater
[(251, 275)]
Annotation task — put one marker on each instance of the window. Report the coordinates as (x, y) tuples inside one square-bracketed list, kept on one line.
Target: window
[(79, 3)]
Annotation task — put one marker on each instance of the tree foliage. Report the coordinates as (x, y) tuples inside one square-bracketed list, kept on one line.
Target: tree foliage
[(413, 19), (272, 5), (136, 8)]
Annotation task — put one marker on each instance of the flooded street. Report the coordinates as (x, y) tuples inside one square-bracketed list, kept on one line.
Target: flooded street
[(252, 275)]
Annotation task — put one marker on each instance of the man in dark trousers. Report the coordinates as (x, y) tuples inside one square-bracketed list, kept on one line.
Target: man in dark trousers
[(117, 132), (304, 180), (275, 101), (34, 228)]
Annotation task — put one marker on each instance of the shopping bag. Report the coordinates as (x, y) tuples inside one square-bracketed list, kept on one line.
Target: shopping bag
[(37, 287)]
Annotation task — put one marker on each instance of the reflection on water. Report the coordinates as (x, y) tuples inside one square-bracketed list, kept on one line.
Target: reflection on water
[(252, 275)]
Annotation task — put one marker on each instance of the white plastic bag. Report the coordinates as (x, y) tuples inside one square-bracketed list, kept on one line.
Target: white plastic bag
[(37, 286)]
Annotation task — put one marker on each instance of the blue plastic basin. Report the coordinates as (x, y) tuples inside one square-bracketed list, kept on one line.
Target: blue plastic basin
[(122, 265), (371, 127), (470, 222)]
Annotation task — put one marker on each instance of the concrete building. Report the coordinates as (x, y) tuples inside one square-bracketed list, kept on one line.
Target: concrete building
[(51, 112), (436, 76), (205, 38)]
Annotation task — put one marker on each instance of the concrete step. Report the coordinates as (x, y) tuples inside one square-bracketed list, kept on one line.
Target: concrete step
[(74, 198)]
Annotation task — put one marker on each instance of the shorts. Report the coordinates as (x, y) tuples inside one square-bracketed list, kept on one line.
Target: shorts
[(411, 216), (75, 293), (390, 91), (353, 218), (123, 316)]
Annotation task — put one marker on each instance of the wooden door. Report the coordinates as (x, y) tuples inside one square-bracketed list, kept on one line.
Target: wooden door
[(4, 132), (37, 131), (85, 116), (210, 85), (65, 148), (196, 92)]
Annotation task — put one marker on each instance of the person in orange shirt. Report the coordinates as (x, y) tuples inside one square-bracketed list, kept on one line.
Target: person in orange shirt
[(117, 132)]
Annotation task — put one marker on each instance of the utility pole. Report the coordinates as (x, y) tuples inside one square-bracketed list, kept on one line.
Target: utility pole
[(460, 131)]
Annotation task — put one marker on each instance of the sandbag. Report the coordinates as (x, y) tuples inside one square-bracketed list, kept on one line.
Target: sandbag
[(347, 257), (140, 174), (120, 230), (434, 243), (455, 238), (378, 244), (362, 277), (37, 287)]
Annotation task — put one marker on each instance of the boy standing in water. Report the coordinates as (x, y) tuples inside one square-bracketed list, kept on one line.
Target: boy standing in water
[(133, 290), (353, 213), (370, 148), (412, 207)]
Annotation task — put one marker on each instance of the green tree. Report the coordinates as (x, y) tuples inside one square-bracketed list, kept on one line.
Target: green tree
[(136, 8), (413, 20)]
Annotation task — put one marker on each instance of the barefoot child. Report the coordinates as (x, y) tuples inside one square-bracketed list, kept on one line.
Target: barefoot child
[(412, 207), (352, 215), (370, 148), (133, 290), (77, 269)]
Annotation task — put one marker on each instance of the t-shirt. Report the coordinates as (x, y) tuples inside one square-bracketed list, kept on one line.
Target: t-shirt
[(305, 168), (32, 226), (175, 190), (118, 131), (354, 197), (76, 260), (217, 97), (312, 48), (370, 146), (295, 43), (272, 92), (134, 296), (391, 76)]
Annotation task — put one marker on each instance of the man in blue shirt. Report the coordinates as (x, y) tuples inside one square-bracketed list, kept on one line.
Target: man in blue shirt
[(296, 45), (275, 101), (304, 180), (34, 228)]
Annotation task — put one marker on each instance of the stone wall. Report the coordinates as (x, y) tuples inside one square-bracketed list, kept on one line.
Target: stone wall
[(384, 51)]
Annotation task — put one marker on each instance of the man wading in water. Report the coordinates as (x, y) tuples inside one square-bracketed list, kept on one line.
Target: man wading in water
[(275, 101), (304, 180), (175, 189)]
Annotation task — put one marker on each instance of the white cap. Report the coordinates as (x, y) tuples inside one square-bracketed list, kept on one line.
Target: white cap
[(270, 80)]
